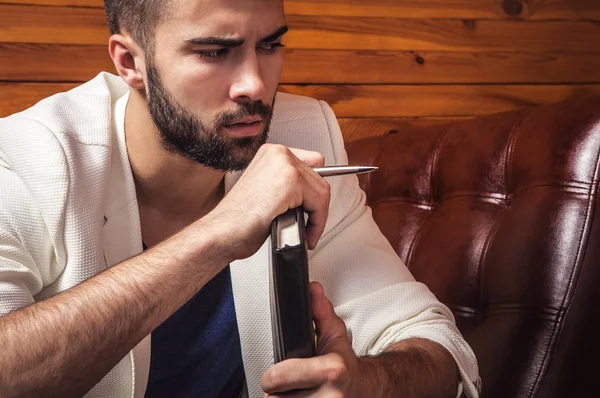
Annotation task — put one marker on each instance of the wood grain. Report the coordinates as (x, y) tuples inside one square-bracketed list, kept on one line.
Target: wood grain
[(453, 9), (312, 32), (436, 100), (371, 101), (61, 25), (15, 97), (358, 128), (52, 62), (66, 63), (58, 3), (431, 67)]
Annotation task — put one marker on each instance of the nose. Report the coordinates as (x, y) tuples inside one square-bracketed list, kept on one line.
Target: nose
[(248, 82)]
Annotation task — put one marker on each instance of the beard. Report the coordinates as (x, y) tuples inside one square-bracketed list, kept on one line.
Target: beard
[(183, 132)]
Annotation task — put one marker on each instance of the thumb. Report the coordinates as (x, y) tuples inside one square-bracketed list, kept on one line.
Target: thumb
[(331, 330), (311, 158)]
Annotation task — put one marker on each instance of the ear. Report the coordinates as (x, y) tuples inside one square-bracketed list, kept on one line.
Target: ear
[(129, 60)]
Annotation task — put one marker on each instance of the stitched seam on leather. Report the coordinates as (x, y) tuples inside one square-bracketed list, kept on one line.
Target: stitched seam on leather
[(426, 206), (484, 253), (434, 163), (582, 189), (413, 243), (509, 171), (559, 325), (464, 311), (510, 149), (565, 187), (517, 308), (556, 331)]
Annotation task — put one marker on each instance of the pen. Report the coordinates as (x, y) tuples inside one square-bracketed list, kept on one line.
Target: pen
[(331, 171)]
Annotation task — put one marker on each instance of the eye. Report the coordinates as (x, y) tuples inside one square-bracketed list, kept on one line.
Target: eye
[(214, 54), (270, 47)]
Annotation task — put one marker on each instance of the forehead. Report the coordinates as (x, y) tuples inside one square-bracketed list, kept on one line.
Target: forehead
[(235, 18)]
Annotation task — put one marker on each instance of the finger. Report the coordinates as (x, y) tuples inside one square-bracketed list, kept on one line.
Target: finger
[(325, 391), (294, 374), (317, 196), (331, 329), (298, 394)]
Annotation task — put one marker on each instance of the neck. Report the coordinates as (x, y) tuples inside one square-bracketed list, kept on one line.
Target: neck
[(167, 183)]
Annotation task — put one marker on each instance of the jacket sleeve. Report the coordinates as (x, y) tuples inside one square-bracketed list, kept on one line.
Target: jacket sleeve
[(24, 244), (369, 285)]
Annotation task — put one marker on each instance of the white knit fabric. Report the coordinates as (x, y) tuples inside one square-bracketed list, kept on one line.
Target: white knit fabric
[(68, 210)]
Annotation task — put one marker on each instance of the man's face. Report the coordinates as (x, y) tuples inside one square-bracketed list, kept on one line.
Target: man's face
[(212, 77)]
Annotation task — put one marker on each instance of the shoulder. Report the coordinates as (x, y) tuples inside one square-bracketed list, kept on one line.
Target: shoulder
[(74, 128), (82, 114), (289, 107), (59, 147), (307, 123)]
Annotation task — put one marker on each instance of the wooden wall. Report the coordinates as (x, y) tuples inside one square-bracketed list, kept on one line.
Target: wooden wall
[(381, 64)]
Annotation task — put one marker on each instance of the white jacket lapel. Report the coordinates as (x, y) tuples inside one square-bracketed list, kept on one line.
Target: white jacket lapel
[(122, 234), (250, 281)]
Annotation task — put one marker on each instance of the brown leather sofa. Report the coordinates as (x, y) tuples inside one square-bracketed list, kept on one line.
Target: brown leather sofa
[(499, 217)]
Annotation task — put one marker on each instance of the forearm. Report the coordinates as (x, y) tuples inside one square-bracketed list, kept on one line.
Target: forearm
[(64, 345), (412, 368)]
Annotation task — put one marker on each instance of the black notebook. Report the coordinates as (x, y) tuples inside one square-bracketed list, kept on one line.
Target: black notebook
[(291, 314)]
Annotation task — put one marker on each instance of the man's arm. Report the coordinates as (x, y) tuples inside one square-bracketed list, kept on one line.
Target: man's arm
[(410, 368), (63, 346)]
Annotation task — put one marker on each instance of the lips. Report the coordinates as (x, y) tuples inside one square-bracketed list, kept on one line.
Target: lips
[(245, 128), (248, 120)]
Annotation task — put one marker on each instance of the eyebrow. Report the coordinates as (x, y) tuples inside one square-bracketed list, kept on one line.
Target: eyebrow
[(232, 43)]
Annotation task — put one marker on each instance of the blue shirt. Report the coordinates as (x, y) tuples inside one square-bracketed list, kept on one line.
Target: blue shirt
[(196, 352)]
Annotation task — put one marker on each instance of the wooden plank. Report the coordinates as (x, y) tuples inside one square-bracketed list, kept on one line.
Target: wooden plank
[(414, 67), (422, 9), (52, 62), (358, 128), (441, 101), (312, 32), (453, 9), (59, 3), (15, 97), (372, 101), (65, 63), (36, 24), (398, 8)]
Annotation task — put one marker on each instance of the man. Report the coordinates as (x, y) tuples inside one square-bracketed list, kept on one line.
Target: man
[(171, 156)]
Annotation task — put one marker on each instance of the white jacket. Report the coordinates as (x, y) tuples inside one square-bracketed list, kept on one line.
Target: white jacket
[(68, 210)]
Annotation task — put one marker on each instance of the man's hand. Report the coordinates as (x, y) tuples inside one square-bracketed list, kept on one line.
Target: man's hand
[(333, 373), (107, 315), (277, 179), (411, 368)]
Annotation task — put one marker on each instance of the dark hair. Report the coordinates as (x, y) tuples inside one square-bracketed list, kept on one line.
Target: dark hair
[(136, 17)]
